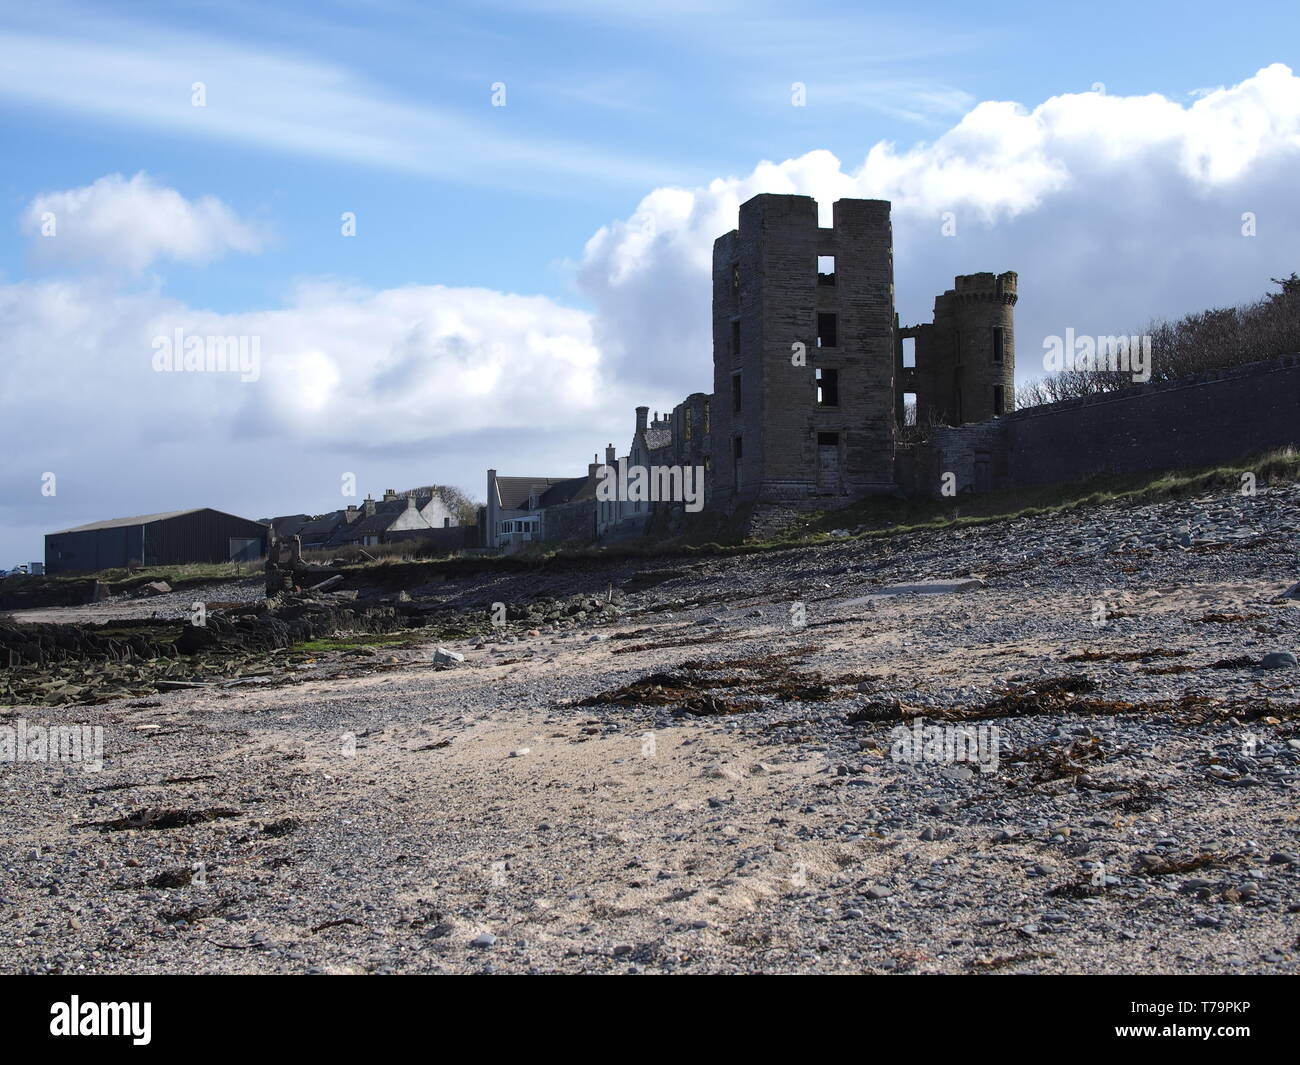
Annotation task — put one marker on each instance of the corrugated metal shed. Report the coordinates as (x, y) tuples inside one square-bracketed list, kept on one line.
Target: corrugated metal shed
[(171, 537)]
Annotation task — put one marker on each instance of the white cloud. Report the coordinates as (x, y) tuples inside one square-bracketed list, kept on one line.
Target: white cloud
[(1113, 209), (404, 386), (129, 225)]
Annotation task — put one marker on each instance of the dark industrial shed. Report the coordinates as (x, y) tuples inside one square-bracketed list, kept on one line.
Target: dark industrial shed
[(200, 535)]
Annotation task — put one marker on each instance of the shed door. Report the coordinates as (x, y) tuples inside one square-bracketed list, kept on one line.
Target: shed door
[(245, 549)]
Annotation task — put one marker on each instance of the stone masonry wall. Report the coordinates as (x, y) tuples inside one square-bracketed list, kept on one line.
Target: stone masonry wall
[(1214, 417)]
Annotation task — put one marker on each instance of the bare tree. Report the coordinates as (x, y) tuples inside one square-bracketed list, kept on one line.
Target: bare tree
[(1208, 340)]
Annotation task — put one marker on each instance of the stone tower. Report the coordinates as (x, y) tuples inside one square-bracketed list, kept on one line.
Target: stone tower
[(790, 425), (965, 363)]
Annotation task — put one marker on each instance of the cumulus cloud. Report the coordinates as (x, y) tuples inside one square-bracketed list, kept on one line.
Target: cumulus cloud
[(403, 386), (1113, 209), (130, 224)]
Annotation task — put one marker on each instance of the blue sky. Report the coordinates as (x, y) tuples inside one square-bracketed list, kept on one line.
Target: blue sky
[(616, 116)]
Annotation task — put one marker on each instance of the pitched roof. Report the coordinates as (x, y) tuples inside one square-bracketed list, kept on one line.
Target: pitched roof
[(318, 529), (513, 492), (139, 519), (376, 524), (287, 524), (564, 491)]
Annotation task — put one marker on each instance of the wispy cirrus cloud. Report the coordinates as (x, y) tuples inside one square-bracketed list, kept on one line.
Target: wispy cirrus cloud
[(141, 75)]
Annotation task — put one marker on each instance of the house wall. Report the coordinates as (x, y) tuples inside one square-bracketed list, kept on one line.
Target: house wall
[(569, 521), (437, 514)]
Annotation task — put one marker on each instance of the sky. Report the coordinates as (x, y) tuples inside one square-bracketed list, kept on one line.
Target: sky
[(476, 235)]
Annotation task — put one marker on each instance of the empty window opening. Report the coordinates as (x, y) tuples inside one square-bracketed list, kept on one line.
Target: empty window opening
[(998, 401), (737, 449), (735, 338), (735, 279), (997, 343), (826, 269), (826, 331), (828, 387), (909, 353), (735, 393), (828, 439), (909, 408)]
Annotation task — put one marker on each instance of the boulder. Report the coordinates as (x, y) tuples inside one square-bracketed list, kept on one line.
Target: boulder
[(1279, 660)]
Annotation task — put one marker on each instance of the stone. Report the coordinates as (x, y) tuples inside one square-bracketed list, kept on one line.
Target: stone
[(1279, 660), (443, 657), (484, 939)]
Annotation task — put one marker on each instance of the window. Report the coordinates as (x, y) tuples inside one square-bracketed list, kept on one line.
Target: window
[(997, 343), (737, 449), (687, 418), (735, 280), (705, 428), (828, 387), (909, 408), (828, 439), (909, 353), (826, 337), (735, 393), (735, 338), (997, 400), (826, 269)]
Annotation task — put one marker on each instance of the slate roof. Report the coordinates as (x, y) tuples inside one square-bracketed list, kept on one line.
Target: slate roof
[(318, 530), (565, 491), (288, 524), (386, 512), (513, 492)]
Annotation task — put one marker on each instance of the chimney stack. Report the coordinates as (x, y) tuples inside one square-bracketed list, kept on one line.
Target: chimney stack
[(641, 414), (611, 459)]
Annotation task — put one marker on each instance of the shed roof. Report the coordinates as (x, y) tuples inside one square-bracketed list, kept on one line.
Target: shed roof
[(145, 519)]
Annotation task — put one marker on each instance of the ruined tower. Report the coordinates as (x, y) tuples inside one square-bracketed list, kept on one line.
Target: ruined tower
[(964, 367), (803, 352)]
